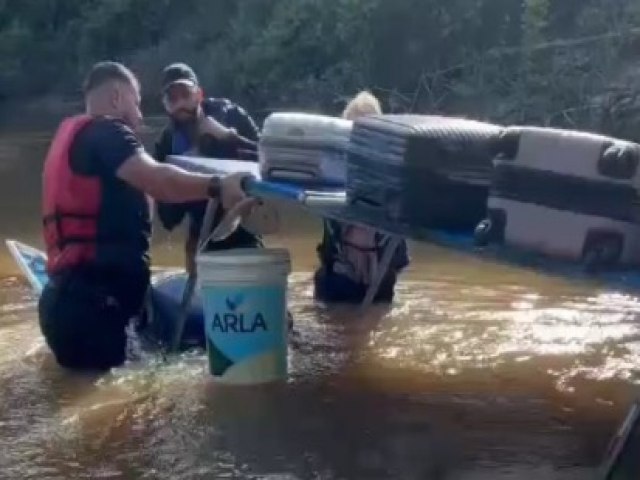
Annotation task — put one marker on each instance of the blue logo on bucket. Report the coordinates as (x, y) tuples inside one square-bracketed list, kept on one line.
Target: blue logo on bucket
[(235, 302), (243, 322), (236, 320)]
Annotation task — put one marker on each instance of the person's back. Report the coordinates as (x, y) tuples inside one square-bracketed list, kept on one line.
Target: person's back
[(97, 230), (192, 131), (349, 254)]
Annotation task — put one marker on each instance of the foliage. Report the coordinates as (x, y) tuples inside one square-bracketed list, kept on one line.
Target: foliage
[(556, 62)]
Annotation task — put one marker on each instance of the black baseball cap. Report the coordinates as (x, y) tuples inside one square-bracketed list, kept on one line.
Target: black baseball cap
[(178, 73)]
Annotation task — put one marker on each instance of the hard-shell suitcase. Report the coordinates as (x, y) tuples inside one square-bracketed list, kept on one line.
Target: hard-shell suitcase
[(304, 148), (566, 194), (421, 171)]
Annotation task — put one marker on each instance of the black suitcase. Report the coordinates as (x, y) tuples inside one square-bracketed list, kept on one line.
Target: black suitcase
[(421, 171)]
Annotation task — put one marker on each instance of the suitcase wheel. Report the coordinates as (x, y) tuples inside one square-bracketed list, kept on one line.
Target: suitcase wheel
[(602, 251), (482, 233), (619, 162), (491, 229)]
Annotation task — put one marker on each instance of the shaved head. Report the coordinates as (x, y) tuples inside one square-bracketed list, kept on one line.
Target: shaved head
[(105, 72), (111, 89)]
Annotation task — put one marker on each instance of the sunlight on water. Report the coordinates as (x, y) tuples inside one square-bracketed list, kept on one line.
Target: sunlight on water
[(490, 327)]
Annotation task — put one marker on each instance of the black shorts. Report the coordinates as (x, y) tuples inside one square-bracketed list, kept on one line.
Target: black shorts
[(83, 317)]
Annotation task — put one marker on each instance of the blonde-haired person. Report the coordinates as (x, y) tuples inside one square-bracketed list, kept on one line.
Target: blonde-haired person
[(361, 105), (349, 253)]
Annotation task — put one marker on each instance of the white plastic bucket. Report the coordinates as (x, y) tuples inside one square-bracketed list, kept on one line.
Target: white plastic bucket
[(244, 294)]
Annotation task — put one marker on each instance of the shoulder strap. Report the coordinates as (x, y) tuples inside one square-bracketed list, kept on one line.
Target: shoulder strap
[(329, 246)]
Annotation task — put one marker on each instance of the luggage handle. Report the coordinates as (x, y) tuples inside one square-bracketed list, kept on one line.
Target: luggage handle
[(366, 202), (390, 209), (290, 173)]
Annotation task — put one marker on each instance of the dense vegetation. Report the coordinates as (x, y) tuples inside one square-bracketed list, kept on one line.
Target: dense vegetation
[(557, 62)]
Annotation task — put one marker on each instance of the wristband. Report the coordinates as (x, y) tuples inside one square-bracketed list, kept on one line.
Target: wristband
[(214, 189), (245, 183)]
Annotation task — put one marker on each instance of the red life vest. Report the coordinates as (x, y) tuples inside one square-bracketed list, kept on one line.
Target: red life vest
[(70, 203)]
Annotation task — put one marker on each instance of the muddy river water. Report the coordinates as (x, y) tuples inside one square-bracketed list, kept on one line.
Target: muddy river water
[(478, 371)]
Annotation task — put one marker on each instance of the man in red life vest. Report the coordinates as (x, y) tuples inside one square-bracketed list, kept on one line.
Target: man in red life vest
[(96, 216)]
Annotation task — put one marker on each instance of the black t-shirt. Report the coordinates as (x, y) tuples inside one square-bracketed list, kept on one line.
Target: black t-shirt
[(124, 223), (102, 147), (230, 115)]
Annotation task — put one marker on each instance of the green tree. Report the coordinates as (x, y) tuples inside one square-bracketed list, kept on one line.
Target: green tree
[(556, 62)]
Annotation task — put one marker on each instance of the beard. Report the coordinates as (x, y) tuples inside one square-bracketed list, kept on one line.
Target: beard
[(185, 116)]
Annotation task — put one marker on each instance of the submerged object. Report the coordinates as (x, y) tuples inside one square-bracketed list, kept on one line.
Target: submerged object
[(163, 311), (163, 306)]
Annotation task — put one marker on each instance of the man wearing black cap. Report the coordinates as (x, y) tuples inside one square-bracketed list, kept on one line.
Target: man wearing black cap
[(212, 127)]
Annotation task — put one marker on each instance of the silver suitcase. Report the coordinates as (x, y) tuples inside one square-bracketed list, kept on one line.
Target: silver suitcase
[(304, 148)]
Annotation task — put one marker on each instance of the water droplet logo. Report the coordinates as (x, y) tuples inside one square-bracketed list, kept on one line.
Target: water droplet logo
[(233, 303)]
